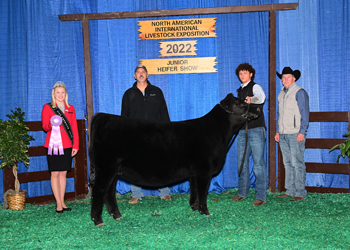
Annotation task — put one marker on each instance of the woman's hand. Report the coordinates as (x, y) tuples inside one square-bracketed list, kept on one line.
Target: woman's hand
[(74, 151)]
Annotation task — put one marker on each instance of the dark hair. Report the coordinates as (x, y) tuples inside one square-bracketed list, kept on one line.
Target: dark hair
[(247, 67)]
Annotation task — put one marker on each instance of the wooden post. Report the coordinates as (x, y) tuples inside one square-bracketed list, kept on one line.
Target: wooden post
[(272, 101), (88, 81)]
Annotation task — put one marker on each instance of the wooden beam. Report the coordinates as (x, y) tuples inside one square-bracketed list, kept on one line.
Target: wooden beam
[(47, 199), (327, 168), (37, 151), (40, 176), (327, 190), (322, 143), (88, 78), (342, 116), (272, 101), (34, 126), (80, 164), (179, 12)]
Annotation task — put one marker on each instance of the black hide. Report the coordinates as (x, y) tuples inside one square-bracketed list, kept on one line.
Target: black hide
[(157, 154)]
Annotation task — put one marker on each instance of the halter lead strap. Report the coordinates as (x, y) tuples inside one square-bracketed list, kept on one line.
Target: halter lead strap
[(245, 116)]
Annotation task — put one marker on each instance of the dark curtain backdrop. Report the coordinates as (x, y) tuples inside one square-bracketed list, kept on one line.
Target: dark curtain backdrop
[(38, 50)]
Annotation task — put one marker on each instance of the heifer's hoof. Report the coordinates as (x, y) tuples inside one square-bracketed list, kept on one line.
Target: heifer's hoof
[(98, 222), (117, 216), (194, 207), (208, 215)]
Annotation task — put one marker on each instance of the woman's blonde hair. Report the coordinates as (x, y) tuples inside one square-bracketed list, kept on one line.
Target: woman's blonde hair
[(59, 84)]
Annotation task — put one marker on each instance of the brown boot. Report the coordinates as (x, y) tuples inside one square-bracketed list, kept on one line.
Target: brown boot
[(166, 197), (297, 198), (283, 195), (134, 200), (258, 202), (237, 198)]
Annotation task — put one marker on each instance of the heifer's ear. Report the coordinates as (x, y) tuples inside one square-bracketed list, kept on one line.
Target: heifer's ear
[(227, 102), (224, 102), (229, 97)]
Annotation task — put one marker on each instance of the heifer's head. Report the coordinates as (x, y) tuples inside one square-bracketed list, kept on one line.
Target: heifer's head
[(236, 106)]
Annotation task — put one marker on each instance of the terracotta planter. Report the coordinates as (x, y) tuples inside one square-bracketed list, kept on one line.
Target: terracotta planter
[(17, 201)]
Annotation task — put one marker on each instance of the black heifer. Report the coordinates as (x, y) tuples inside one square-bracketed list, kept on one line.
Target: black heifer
[(156, 154)]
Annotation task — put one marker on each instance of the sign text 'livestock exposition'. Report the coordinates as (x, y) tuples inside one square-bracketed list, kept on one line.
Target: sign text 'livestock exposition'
[(177, 28)]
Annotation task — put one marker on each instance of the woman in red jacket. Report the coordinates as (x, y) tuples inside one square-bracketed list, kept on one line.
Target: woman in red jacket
[(62, 141)]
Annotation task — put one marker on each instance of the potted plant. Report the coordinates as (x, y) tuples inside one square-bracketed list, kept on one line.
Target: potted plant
[(14, 144), (344, 147)]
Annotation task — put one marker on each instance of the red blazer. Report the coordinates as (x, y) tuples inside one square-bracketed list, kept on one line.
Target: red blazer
[(46, 115)]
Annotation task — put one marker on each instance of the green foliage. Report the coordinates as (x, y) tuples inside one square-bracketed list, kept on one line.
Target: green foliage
[(14, 140), (344, 147)]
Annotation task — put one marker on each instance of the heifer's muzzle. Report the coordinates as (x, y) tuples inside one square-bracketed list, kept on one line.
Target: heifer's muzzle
[(245, 115)]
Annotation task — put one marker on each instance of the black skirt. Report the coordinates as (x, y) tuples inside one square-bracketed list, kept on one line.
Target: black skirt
[(60, 162)]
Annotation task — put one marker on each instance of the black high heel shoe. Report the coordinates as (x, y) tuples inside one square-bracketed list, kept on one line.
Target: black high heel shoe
[(59, 211), (66, 209)]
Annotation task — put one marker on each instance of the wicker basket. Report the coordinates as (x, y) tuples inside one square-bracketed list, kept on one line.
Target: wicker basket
[(17, 201)]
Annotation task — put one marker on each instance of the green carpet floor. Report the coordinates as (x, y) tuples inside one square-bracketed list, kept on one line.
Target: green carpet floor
[(321, 221)]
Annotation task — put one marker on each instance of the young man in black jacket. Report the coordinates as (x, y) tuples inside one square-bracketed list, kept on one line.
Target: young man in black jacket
[(253, 94)]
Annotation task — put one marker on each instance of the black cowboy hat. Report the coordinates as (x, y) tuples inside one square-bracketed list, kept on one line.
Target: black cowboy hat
[(288, 70)]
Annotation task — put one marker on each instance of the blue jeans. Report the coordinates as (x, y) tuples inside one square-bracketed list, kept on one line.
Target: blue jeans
[(136, 191), (255, 147), (294, 164)]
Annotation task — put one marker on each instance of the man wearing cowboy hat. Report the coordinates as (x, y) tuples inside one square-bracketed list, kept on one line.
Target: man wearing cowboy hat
[(293, 121)]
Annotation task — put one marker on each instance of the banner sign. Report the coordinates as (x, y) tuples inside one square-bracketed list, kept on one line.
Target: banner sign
[(178, 48), (177, 28), (180, 65)]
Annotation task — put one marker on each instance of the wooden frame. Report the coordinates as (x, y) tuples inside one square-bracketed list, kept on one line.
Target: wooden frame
[(79, 172), (312, 167), (272, 8)]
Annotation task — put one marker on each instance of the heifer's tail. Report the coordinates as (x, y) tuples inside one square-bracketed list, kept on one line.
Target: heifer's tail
[(91, 150)]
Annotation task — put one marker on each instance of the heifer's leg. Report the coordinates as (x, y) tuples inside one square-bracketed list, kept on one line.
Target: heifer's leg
[(97, 202), (111, 202), (202, 190), (101, 193), (194, 194)]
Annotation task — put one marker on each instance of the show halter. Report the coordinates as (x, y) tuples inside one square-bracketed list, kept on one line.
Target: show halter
[(55, 143), (245, 115)]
